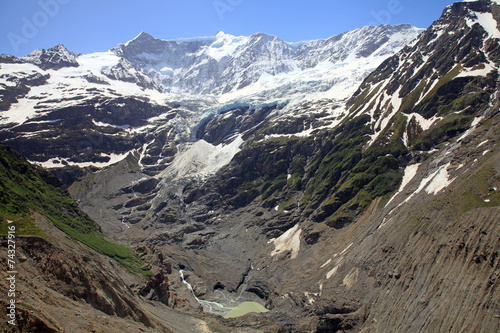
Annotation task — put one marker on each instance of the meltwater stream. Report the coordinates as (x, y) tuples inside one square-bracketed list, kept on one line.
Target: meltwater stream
[(209, 306)]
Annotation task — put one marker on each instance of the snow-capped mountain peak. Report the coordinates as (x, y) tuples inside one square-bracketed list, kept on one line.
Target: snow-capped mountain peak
[(224, 63), (176, 86)]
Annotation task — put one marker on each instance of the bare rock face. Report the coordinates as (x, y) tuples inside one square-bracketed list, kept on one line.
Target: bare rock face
[(53, 58), (157, 288), (62, 285), (76, 281), (65, 276)]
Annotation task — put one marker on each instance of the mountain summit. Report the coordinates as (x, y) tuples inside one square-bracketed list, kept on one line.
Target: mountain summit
[(225, 63)]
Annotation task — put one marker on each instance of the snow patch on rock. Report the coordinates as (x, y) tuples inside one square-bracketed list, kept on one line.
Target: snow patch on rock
[(409, 174), (289, 241)]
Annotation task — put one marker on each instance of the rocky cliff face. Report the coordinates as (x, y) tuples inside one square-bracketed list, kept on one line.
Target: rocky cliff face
[(53, 58), (372, 213)]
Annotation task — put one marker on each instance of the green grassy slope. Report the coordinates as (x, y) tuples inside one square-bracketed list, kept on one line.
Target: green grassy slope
[(25, 188)]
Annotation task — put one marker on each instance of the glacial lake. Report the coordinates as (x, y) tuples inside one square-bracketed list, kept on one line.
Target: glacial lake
[(244, 308)]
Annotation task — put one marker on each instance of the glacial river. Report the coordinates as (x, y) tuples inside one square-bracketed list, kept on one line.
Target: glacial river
[(229, 308)]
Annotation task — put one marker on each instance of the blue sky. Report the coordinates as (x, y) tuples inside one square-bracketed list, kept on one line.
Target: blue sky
[(97, 25)]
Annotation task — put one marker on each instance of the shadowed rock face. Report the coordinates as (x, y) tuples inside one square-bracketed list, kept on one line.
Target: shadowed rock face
[(378, 213)]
